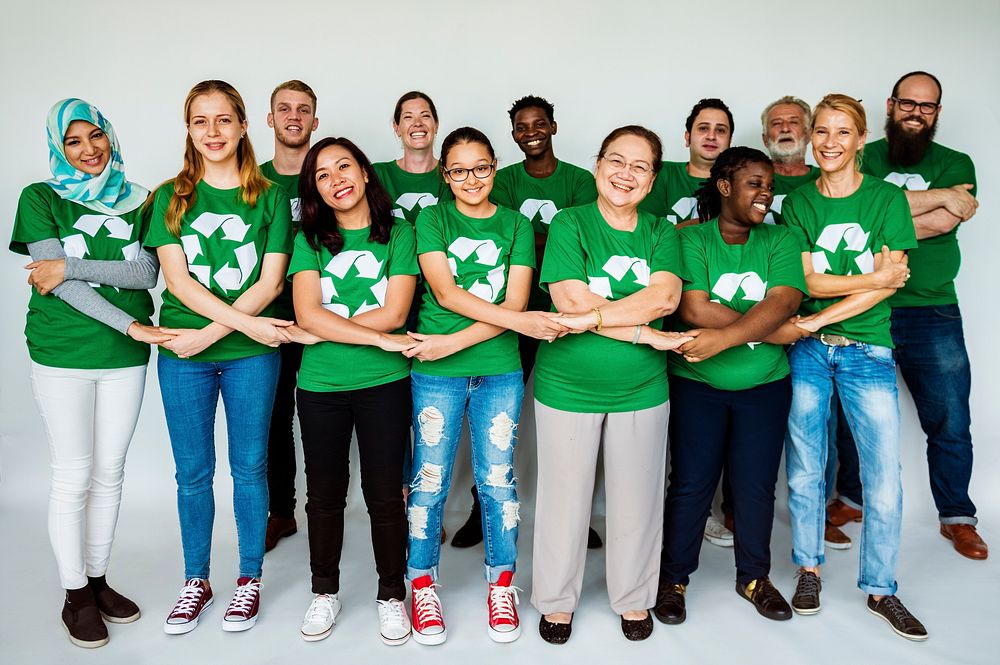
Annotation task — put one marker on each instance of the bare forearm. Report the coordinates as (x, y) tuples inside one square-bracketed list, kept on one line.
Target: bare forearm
[(850, 307), (822, 285), (706, 314), (763, 318), (335, 328), (922, 201), (934, 223)]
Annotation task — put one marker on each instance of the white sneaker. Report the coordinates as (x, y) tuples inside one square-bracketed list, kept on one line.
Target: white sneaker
[(717, 533), (393, 624), (320, 617)]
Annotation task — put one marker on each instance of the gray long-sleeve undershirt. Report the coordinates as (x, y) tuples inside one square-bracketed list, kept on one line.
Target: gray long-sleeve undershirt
[(78, 294)]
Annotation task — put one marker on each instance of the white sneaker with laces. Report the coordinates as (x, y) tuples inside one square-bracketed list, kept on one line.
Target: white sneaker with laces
[(717, 533), (393, 623), (321, 617)]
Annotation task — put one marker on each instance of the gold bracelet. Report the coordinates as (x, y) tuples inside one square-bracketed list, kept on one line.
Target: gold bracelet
[(600, 320)]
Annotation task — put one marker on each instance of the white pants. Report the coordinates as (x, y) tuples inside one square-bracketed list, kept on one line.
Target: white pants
[(89, 417)]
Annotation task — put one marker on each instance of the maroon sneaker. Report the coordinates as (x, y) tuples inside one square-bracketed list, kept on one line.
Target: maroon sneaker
[(242, 611), (195, 597)]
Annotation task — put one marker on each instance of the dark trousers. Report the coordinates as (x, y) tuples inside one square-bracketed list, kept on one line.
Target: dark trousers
[(709, 428), (930, 352), (381, 416), (528, 348), (281, 440)]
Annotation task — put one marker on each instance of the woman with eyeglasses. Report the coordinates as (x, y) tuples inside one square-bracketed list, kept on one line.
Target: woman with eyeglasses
[(612, 272), (477, 259), (855, 230)]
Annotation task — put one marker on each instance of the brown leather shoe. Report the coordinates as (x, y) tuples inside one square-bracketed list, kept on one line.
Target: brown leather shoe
[(839, 513), (278, 528), (836, 539), (966, 541)]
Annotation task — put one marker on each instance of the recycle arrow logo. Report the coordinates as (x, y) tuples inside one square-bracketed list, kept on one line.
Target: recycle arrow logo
[(411, 200), (487, 253), (775, 209), (544, 208), (686, 208), (233, 229), (854, 238), (911, 181), (76, 245), (367, 267), (618, 266), (728, 285)]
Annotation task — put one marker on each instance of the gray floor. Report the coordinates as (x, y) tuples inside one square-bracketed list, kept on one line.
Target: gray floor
[(953, 596)]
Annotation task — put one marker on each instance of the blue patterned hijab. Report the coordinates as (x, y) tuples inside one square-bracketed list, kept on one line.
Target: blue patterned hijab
[(108, 192)]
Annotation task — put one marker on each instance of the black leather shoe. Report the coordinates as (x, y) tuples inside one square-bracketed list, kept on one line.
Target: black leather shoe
[(471, 533), (768, 600), (594, 541), (639, 629), (83, 620), (805, 600), (114, 607), (670, 604), (896, 615), (554, 633)]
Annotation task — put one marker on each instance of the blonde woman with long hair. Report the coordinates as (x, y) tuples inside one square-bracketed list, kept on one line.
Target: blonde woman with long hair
[(223, 235)]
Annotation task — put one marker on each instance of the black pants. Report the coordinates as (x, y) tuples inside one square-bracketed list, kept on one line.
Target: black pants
[(528, 348), (381, 416), (280, 440), (743, 429)]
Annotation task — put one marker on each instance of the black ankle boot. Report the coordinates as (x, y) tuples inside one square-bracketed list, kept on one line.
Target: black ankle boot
[(114, 607), (471, 532), (83, 620)]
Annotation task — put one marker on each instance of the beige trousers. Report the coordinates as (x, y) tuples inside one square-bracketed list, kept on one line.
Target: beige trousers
[(635, 450)]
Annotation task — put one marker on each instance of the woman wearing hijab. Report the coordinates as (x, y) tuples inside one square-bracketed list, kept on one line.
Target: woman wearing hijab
[(88, 331)]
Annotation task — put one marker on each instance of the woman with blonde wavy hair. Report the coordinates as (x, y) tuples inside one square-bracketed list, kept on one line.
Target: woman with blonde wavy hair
[(223, 235)]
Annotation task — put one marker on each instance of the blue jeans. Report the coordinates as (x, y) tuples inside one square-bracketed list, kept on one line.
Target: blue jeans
[(843, 480), (190, 392), (493, 406), (865, 378)]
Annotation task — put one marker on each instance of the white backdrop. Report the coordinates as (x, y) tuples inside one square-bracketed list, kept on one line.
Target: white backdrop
[(602, 64)]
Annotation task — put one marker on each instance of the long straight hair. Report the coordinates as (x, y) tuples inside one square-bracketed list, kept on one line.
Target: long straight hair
[(252, 181), (319, 220)]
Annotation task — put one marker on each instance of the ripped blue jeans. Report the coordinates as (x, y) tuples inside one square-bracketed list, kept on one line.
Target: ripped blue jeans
[(493, 406)]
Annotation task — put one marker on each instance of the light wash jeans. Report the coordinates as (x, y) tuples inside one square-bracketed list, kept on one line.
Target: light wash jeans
[(865, 378), (190, 391), (493, 406)]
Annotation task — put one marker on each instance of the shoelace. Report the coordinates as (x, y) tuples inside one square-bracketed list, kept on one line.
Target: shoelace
[(188, 600), (392, 613), (900, 613), (244, 598), (764, 590), (320, 610), (502, 602), (808, 583), (427, 605)]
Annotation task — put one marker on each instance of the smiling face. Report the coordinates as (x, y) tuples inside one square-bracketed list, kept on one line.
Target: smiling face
[(920, 89), (620, 187), (214, 127), (785, 133), (293, 118), (340, 180), (473, 191), (710, 135), (532, 131), (746, 198), (87, 147), (417, 126), (835, 140)]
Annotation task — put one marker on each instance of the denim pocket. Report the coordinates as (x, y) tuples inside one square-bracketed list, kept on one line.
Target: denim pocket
[(950, 312), (880, 354)]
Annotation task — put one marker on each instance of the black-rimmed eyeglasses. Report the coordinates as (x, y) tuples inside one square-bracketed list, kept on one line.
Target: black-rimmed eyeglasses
[(907, 105), (482, 171)]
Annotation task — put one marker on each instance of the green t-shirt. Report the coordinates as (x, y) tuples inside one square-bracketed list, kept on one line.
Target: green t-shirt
[(283, 308), (354, 282), (738, 276), (539, 199), (57, 334), (411, 192), (785, 185), (843, 236), (588, 373), (480, 253), (935, 261), (672, 195), (225, 241)]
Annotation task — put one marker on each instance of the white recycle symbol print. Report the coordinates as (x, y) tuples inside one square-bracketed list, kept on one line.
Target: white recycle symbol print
[(234, 230), (544, 208), (855, 240), (727, 286), (775, 208), (488, 254), (618, 266), (412, 199), (686, 208), (76, 245), (368, 267), (911, 181)]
